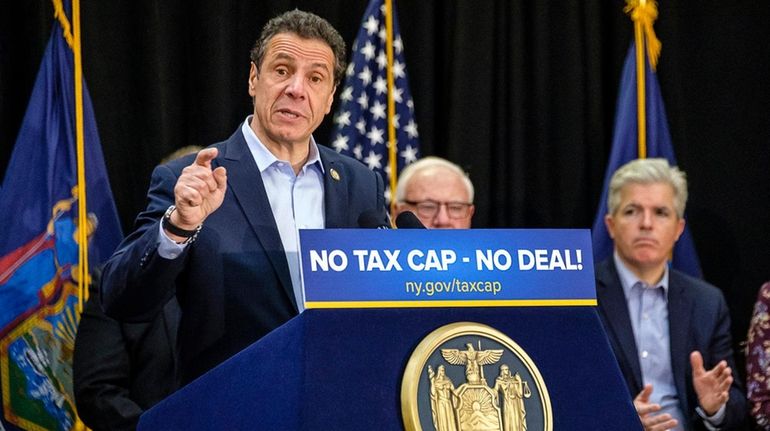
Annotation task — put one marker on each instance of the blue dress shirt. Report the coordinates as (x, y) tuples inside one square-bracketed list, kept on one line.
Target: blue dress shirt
[(648, 310)]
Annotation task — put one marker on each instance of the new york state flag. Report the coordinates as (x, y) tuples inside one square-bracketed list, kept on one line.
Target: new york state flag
[(39, 246)]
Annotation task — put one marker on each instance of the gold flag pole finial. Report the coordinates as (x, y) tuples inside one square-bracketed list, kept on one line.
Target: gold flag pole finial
[(644, 13)]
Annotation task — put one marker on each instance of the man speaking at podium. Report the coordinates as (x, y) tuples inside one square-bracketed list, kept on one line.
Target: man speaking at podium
[(670, 332), (221, 227)]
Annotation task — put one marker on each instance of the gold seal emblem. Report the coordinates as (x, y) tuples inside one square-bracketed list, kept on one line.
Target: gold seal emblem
[(335, 175), (444, 387)]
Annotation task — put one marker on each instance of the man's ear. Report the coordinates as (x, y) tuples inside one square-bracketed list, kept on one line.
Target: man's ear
[(680, 228), (609, 222), (330, 101), (253, 77), (395, 210)]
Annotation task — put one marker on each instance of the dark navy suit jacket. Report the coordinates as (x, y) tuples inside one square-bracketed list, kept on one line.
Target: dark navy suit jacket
[(233, 283), (698, 320), (122, 369)]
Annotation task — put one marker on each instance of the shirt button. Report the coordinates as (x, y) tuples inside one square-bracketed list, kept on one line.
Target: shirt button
[(644, 354), (645, 316)]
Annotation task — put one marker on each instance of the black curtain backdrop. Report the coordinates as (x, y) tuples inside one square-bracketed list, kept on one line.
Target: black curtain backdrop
[(520, 93)]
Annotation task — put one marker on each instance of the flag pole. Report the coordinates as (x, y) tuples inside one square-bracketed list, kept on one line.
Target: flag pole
[(641, 117), (641, 114), (83, 273), (392, 144)]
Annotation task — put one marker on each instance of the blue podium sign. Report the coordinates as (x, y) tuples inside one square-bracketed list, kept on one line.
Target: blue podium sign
[(364, 268)]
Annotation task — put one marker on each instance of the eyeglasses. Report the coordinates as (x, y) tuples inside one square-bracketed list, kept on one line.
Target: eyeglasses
[(429, 209)]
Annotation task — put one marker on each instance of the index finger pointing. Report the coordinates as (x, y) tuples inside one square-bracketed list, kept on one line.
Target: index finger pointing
[(204, 157)]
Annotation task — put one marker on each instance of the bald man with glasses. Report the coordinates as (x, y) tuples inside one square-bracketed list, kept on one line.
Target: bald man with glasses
[(438, 192)]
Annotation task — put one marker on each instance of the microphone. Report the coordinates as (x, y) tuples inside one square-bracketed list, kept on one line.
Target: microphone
[(407, 220), (373, 219)]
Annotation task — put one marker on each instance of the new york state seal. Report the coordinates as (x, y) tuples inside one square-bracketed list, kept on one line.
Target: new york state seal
[(445, 388)]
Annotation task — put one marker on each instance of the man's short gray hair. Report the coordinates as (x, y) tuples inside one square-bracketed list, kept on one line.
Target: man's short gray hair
[(427, 163), (648, 171)]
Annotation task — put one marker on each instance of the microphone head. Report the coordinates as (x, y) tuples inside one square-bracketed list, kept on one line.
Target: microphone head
[(407, 220), (373, 219)]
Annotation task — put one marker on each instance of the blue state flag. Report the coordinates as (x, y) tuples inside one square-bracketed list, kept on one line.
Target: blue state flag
[(39, 249), (361, 122), (625, 148)]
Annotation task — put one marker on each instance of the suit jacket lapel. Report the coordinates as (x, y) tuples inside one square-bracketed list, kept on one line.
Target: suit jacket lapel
[(335, 190), (679, 316), (245, 182), (612, 300)]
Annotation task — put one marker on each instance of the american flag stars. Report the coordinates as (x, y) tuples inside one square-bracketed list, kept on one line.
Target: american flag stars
[(361, 122)]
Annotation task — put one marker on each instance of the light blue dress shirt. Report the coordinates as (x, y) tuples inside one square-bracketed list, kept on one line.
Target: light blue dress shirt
[(648, 310), (297, 202)]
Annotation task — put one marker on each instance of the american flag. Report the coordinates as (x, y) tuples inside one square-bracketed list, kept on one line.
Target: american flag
[(361, 122)]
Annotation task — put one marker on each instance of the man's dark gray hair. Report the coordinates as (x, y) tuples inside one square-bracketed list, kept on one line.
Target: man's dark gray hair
[(305, 25)]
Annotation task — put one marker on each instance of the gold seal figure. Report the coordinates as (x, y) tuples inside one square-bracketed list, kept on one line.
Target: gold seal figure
[(473, 361), (442, 401), (514, 390)]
